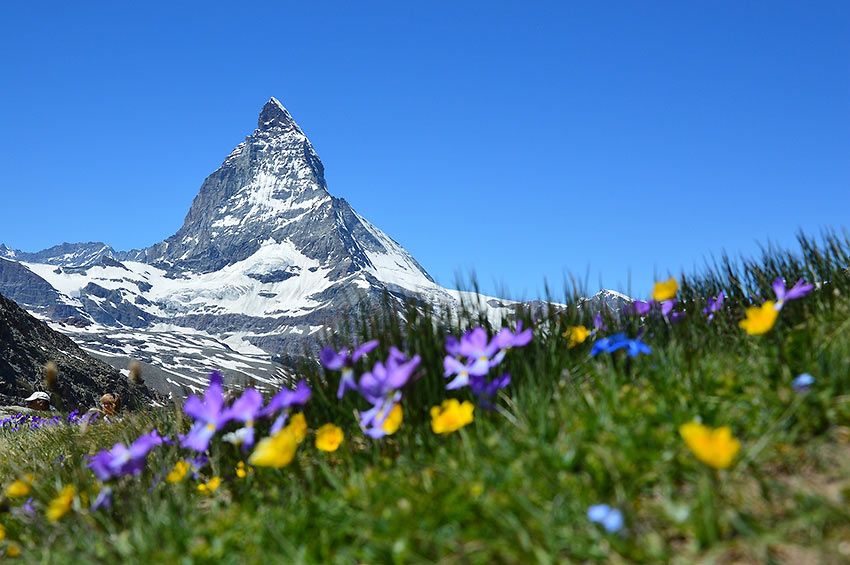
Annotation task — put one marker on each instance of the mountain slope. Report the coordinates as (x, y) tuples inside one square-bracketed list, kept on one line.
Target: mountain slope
[(27, 344)]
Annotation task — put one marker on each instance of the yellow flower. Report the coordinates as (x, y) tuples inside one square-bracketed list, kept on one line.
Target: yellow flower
[(242, 471), (328, 437), (20, 487), (14, 550), (2, 532), (393, 421), (210, 486), (576, 334), (760, 319), (451, 416), (60, 505), (276, 450), (298, 427), (665, 290), (178, 472), (713, 447)]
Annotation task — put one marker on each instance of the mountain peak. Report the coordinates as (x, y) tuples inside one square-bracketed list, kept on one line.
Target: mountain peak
[(274, 115)]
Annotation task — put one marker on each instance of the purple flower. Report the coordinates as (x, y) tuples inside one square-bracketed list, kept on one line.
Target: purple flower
[(714, 305), (803, 382), (667, 311), (381, 387), (209, 415), (598, 324), (103, 500), (640, 307), (452, 346), (245, 409), (475, 346), (345, 361), (463, 371), (610, 518), (383, 380), (372, 420), (799, 290), (123, 460), (283, 401), (506, 339), (485, 390)]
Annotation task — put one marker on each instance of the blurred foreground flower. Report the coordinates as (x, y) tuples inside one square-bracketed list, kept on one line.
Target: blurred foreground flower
[(122, 460), (245, 409), (103, 500), (610, 518), (381, 387), (799, 290), (612, 343), (210, 486), (209, 416), (665, 290), (328, 437), (576, 335), (61, 505), (20, 487), (451, 416), (242, 470), (284, 401), (714, 305), (802, 382), (178, 472), (276, 450), (345, 361), (713, 447), (760, 319)]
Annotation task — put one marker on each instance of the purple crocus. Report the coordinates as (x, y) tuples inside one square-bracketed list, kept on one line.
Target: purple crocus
[(245, 409), (799, 290), (283, 401), (714, 305), (123, 460), (344, 360), (209, 415)]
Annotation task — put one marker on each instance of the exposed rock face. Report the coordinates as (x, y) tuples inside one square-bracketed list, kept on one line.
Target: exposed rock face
[(27, 344), (266, 257)]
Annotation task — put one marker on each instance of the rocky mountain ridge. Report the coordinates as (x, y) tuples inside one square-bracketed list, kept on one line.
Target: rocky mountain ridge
[(266, 259)]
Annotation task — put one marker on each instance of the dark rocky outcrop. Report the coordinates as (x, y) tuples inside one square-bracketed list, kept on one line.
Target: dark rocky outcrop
[(27, 344)]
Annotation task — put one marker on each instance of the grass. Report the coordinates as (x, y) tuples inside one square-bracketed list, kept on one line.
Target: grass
[(514, 486)]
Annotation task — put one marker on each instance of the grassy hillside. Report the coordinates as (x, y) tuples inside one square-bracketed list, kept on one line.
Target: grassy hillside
[(519, 483)]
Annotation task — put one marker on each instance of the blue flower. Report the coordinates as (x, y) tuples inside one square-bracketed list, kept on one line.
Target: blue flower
[(802, 382), (612, 343), (610, 518)]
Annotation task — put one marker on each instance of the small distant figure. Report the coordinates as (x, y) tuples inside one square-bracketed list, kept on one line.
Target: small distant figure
[(110, 403), (38, 401)]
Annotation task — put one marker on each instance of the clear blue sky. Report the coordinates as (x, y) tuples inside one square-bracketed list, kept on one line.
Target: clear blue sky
[(521, 139)]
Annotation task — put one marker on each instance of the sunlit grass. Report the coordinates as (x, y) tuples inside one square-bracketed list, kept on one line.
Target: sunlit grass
[(515, 485)]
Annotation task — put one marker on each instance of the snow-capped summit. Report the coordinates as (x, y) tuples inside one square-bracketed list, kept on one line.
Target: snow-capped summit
[(274, 115), (264, 250)]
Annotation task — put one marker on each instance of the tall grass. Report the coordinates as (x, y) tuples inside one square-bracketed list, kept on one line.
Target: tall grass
[(514, 487)]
